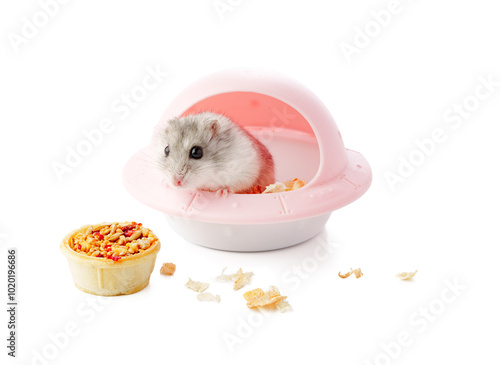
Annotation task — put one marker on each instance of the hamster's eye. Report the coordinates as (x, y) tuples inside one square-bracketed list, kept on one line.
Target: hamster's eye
[(196, 152), (167, 151)]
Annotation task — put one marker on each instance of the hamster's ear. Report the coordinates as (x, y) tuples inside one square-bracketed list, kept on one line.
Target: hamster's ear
[(213, 127), (171, 121)]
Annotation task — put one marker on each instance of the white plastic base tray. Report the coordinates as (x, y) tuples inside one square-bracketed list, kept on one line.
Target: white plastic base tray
[(248, 237)]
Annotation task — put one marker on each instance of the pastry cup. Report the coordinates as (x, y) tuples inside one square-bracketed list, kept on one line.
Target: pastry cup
[(102, 276)]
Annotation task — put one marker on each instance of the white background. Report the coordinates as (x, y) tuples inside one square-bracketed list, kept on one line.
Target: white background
[(440, 218)]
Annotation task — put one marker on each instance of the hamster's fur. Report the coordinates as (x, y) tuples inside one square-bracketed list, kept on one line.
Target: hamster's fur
[(233, 160)]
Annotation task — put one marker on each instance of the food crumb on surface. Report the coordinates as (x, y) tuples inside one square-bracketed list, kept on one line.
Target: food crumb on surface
[(239, 278), (260, 298), (208, 297), (167, 268), (196, 286), (356, 272), (406, 275)]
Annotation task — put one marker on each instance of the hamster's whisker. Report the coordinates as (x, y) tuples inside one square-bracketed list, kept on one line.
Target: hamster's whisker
[(151, 160)]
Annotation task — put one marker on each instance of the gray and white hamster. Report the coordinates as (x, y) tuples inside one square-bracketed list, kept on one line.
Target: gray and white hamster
[(208, 151)]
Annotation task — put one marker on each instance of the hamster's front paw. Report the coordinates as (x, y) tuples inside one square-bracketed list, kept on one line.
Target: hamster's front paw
[(223, 193)]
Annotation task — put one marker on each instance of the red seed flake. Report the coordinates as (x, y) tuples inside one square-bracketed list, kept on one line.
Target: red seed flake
[(129, 227)]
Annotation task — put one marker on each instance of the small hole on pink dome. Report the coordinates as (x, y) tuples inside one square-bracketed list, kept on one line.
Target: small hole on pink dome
[(358, 165), (254, 103)]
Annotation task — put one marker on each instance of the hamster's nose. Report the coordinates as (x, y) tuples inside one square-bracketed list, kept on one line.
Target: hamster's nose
[(177, 180)]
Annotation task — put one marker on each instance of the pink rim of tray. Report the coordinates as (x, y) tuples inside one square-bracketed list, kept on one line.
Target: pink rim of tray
[(274, 105)]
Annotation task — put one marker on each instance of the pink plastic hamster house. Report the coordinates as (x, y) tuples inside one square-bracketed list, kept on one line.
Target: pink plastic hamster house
[(305, 143)]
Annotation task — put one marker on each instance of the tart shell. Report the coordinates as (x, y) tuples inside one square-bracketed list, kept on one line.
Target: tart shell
[(105, 277)]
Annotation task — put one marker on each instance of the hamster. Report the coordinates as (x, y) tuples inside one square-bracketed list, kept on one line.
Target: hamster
[(208, 151)]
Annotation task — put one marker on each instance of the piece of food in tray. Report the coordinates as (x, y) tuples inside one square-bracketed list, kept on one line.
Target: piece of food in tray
[(288, 185)]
